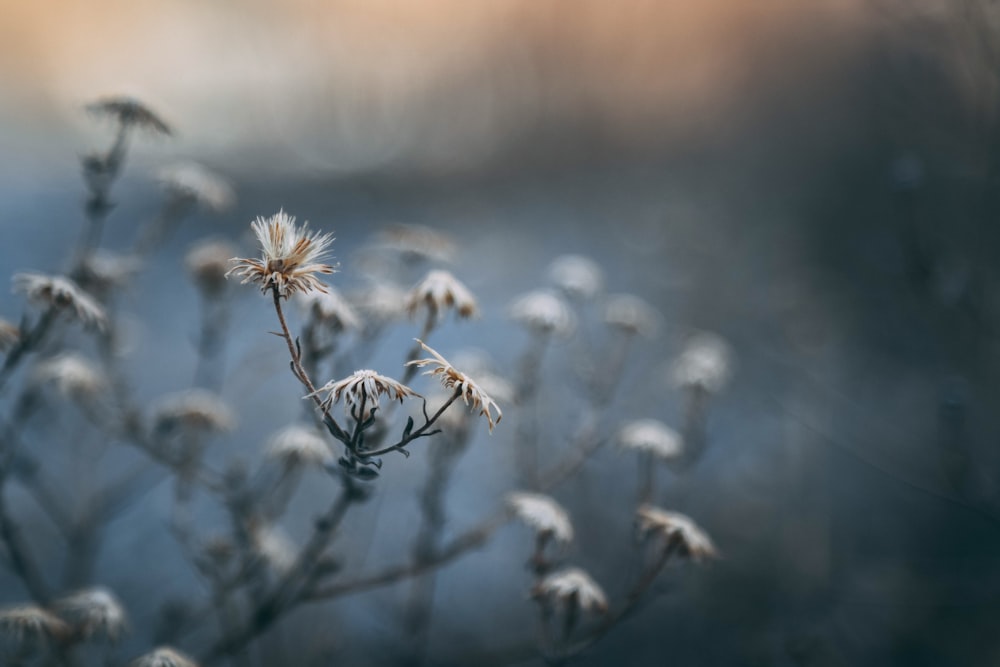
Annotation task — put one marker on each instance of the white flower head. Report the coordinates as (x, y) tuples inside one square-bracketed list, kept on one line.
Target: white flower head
[(290, 256), (331, 309), (451, 378), (129, 112), (299, 445), (418, 242), (191, 182), (274, 546), (577, 276), (364, 386), (705, 363), (543, 312), (163, 656), (73, 376), (197, 409), (63, 293), (207, 263), (572, 587), (542, 513), (94, 611), (438, 291), (653, 437), (32, 623), (691, 541), (9, 335), (631, 314)]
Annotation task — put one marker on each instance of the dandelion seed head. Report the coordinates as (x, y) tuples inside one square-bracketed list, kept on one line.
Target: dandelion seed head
[(572, 586), (705, 363), (192, 182), (32, 623), (364, 386), (438, 291), (163, 656), (653, 437), (62, 293), (691, 540), (207, 263), (543, 312), (290, 256), (471, 392), (631, 314), (299, 445), (331, 309), (94, 611), (542, 513), (196, 409), (577, 276), (129, 112), (73, 376)]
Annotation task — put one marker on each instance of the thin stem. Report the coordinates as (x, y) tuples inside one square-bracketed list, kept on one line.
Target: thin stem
[(420, 432)]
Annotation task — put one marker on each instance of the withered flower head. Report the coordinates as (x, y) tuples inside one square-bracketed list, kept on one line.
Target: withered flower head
[(73, 376), (290, 256), (438, 291), (631, 314), (194, 183), (543, 312), (9, 335), (542, 513), (418, 242), (454, 379), (207, 263), (653, 437), (691, 541), (578, 276), (163, 656), (129, 112), (705, 363), (299, 445), (32, 623), (197, 409), (61, 293), (365, 386), (572, 587), (331, 309), (93, 611)]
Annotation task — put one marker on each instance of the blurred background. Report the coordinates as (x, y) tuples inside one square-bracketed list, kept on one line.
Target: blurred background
[(816, 182)]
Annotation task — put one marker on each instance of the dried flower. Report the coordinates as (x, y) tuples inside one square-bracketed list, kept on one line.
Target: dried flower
[(274, 546), (578, 276), (365, 386), (104, 270), (543, 312), (208, 262), (691, 541), (94, 610), (289, 256), (542, 513), (163, 656), (418, 242), (73, 376), (631, 314), (191, 182), (653, 437), (61, 293), (438, 291), (452, 378), (704, 364), (32, 623), (9, 335), (129, 112), (572, 587), (299, 445), (197, 409), (332, 309)]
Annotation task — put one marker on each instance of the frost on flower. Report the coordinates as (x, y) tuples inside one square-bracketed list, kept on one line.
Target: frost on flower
[(572, 587), (577, 276), (470, 391), (207, 263), (32, 623), (94, 611), (653, 437), (299, 445), (331, 309), (62, 293), (438, 291), (73, 376), (542, 513), (705, 363), (690, 540), (543, 312), (190, 182), (290, 256), (197, 409), (364, 386), (631, 314), (129, 112), (163, 657)]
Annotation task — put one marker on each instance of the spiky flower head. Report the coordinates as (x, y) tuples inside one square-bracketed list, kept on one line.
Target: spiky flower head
[(572, 587), (192, 183), (163, 656), (299, 445), (196, 409), (73, 376), (542, 513), (705, 363), (577, 276), (438, 291), (290, 256), (207, 263), (653, 437), (94, 611), (129, 112), (544, 313), (32, 623), (452, 378), (364, 386), (631, 314), (62, 293), (679, 531), (332, 309), (9, 335)]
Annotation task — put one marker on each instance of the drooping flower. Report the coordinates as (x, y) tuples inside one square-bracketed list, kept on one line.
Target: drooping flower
[(438, 291), (679, 530), (129, 112), (705, 363), (470, 391), (577, 276), (572, 587), (62, 293), (653, 437), (630, 314), (32, 623), (163, 656), (192, 183), (290, 256), (542, 513), (207, 263), (92, 611), (543, 312), (73, 376), (364, 386), (299, 445), (332, 309)]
